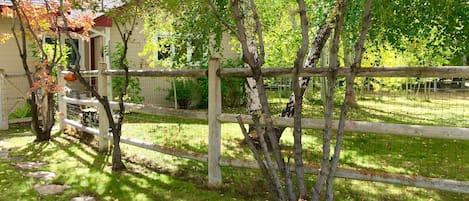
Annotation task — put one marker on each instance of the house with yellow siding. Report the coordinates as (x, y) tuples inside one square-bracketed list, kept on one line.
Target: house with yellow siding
[(94, 53)]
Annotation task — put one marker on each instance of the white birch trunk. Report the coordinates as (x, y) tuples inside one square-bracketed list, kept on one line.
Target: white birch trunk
[(253, 102)]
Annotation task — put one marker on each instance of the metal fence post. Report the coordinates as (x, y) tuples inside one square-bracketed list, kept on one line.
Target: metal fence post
[(214, 109), (3, 102), (103, 142), (62, 104)]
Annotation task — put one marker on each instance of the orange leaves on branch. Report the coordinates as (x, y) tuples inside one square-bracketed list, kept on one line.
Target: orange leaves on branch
[(45, 81), (4, 37), (49, 18), (7, 11), (44, 17)]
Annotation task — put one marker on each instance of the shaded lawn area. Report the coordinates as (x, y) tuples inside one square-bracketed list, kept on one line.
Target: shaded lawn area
[(160, 177), (153, 176), (89, 173)]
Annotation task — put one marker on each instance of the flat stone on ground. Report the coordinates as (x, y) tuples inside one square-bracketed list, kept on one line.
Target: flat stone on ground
[(84, 198), (30, 165), (50, 189), (13, 158), (4, 154), (43, 175)]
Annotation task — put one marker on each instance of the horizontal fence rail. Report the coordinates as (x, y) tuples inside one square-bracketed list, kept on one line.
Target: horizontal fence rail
[(161, 73), (364, 175), (443, 71), (366, 127), (440, 132)]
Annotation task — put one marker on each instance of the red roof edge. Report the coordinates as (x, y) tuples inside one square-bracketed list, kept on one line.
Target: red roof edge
[(103, 21)]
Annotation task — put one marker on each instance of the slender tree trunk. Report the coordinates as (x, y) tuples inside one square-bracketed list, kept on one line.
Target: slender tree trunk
[(348, 100), (21, 43), (322, 35), (117, 164), (265, 168), (247, 22), (250, 84), (329, 109), (35, 122), (298, 92), (125, 23)]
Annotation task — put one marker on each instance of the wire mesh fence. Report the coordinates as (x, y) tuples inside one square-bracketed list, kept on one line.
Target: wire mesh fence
[(413, 101)]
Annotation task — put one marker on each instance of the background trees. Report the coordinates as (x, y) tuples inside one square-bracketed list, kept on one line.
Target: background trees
[(433, 31)]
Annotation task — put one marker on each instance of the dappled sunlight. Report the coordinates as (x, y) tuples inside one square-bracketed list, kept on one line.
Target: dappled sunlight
[(89, 173), (153, 175), (357, 190)]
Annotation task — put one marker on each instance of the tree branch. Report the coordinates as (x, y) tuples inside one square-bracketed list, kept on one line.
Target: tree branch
[(261, 55), (297, 130), (223, 21), (248, 56), (22, 47), (340, 9), (257, 156), (348, 99)]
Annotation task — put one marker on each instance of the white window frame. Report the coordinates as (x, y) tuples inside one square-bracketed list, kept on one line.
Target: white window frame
[(172, 51)]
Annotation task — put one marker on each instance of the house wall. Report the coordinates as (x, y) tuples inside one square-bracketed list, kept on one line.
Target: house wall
[(16, 87), (154, 89)]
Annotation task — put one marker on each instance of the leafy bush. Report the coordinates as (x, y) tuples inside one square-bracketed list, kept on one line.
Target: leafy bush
[(232, 89), (133, 89), (184, 89), (21, 112)]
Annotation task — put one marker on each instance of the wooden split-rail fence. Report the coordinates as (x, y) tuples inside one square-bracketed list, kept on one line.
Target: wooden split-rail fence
[(215, 117)]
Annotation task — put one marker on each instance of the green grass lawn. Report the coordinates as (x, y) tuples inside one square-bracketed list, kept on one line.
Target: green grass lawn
[(88, 173), (154, 176), (386, 153)]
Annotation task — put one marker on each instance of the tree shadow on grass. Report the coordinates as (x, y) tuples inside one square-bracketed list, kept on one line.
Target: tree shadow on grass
[(364, 113), (437, 158), (150, 118), (32, 152), (123, 186)]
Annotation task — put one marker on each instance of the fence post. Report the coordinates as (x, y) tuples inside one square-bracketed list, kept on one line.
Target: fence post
[(103, 142), (62, 104), (3, 102), (214, 109)]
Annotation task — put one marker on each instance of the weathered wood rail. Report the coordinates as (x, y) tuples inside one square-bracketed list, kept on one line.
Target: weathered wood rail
[(442, 71), (215, 117)]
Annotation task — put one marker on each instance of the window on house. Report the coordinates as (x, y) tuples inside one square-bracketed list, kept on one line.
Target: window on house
[(167, 50), (164, 48), (71, 53)]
